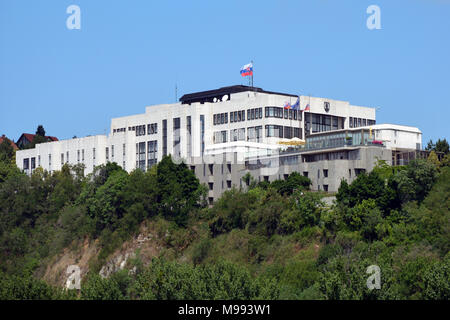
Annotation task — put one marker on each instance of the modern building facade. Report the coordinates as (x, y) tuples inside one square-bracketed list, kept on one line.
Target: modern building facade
[(223, 133)]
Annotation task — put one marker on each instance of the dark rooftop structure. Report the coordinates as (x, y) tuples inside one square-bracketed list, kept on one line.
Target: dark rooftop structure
[(208, 96)]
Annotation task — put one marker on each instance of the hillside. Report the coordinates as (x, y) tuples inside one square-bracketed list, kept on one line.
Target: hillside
[(151, 235)]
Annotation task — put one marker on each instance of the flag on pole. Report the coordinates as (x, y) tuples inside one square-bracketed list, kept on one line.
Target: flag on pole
[(247, 70), (287, 105), (307, 108), (296, 105)]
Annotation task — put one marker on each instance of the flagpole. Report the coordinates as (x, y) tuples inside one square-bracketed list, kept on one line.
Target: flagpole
[(253, 71)]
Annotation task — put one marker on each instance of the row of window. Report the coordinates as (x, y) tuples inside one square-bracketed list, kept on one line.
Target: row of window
[(254, 134), (220, 118), (140, 130), (283, 132), (256, 113), (322, 122), (65, 157), (277, 112), (359, 122), (253, 114)]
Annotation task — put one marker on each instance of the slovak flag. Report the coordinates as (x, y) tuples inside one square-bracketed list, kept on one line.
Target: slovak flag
[(247, 70), (307, 108), (287, 105)]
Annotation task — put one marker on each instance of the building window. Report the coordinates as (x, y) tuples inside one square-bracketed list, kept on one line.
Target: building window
[(140, 130), (221, 118), (211, 185), (211, 169), (93, 153), (78, 155), (152, 128), (274, 112), (112, 152), (49, 160), (229, 184), (305, 174), (82, 155), (164, 146), (220, 136), (26, 164), (274, 131), (176, 137), (62, 159), (202, 134), (189, 136), (140, 155), (33, 163), (325, 187), (237, 134), (152, 149), (107, 154), (123, 150), (67, 153), (325, 173), (39, 160), (288, 132)]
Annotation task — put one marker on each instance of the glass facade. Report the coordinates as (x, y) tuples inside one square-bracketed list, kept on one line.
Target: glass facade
[(341, 139)]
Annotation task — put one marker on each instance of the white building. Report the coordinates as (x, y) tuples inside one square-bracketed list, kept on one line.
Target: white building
[(224, 133), (231, 119)]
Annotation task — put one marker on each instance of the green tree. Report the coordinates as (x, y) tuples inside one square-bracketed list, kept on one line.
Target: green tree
[(433, 158), (96, 288), (40, 130), (295, 181), (307, 210), (437, 280), (105, 207), (179, 190), (442, 146), (6, 150)]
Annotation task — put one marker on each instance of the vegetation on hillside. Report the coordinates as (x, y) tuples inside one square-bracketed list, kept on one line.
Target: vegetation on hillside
[(270, 241)]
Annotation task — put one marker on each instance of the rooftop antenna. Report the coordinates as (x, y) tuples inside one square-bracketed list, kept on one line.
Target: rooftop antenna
[(176, 92)]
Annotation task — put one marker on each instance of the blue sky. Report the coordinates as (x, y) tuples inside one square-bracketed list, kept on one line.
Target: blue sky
[(130, 54)]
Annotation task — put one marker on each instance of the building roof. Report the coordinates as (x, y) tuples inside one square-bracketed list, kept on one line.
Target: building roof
[(208, 96), (30, 137), (3, 137), (388, 126)]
